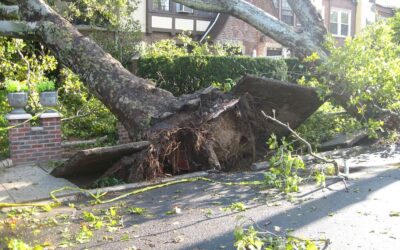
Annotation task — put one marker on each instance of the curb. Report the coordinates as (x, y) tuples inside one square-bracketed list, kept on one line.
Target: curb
[(76, 194)]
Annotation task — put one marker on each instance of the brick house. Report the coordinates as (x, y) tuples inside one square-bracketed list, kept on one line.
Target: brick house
[(161, 19)]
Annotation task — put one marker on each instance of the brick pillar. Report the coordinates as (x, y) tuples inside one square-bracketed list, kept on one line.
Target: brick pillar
[(35, 144), (123, 136)]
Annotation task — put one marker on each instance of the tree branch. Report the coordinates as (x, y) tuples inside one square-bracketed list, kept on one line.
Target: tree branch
[(18, 29), (310, 19), (295, 134), (303, 44), (9, 11), (312, 153)]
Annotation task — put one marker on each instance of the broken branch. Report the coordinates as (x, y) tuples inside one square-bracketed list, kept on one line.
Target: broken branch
[(336, 165), (295, 134)]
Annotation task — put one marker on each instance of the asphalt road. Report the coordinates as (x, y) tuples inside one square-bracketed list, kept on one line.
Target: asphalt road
[(358, 219)]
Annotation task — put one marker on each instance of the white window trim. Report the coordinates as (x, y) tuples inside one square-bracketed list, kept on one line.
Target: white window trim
[(340, 11)]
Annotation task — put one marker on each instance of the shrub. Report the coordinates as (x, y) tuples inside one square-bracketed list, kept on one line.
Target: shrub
[(296, 70), (186, 74), (13, 86), (46, 86)]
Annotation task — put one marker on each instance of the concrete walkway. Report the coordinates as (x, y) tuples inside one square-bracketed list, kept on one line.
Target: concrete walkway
[(28, 183)]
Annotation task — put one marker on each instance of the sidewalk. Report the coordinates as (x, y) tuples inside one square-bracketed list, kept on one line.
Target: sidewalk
[(28, 183)]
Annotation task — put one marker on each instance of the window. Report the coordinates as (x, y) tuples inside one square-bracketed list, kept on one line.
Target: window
[(274, 52), (180, 8), (340, 22), (287, 15), (162, 5)]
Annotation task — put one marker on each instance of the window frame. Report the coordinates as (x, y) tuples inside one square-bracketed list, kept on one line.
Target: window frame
[(183, 11), (288, 9), (339, 23), (160, 10)]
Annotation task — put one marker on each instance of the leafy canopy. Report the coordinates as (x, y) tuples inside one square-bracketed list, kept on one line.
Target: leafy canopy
[(368, 64)]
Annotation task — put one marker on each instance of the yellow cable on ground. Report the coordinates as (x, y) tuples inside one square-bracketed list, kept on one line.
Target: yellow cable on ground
[(97, 197)]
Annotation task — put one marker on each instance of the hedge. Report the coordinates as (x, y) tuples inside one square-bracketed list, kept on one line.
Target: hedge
[(186, 74)]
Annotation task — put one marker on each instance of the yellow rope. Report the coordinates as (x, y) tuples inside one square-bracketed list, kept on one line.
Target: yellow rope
[(97, 197)]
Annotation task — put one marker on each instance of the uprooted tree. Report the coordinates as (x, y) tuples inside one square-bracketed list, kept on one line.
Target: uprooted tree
[(207, 129)]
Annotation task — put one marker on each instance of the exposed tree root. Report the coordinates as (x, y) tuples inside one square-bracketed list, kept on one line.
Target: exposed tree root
[(172, 152), (215, 130)]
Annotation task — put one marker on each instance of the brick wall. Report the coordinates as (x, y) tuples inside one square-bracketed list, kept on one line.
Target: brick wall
[(252, 39), (35, 144), (123, 136)]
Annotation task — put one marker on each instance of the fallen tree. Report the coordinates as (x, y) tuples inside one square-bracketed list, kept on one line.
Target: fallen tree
[(213, 130), (207, 129)]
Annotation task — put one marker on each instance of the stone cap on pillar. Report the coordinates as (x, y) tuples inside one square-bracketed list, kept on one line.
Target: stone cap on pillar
[(18, 116), (50, 115)]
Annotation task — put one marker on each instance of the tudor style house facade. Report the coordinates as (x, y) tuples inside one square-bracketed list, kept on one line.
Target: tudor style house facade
[(162, 19)]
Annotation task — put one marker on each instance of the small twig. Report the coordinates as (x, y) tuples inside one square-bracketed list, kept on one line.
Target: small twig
[(310, 150), (309, 147)]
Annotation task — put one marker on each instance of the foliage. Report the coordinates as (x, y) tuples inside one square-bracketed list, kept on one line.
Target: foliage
[(284, 167), (88, 116), (107, 182), (236, 207), (16, 244), (84, 115), (17, 58), (46, 86), (225, 86), (104, 13), (121, 33), (247, 239), (122, 45), (367, 67), (250, 238), (15, 86), (184, 45), (186, 74), (137, 210), (297, 70), (183, 65), (84, 235), (395, 22), (326, 122), (94, 221), (4, 144)]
